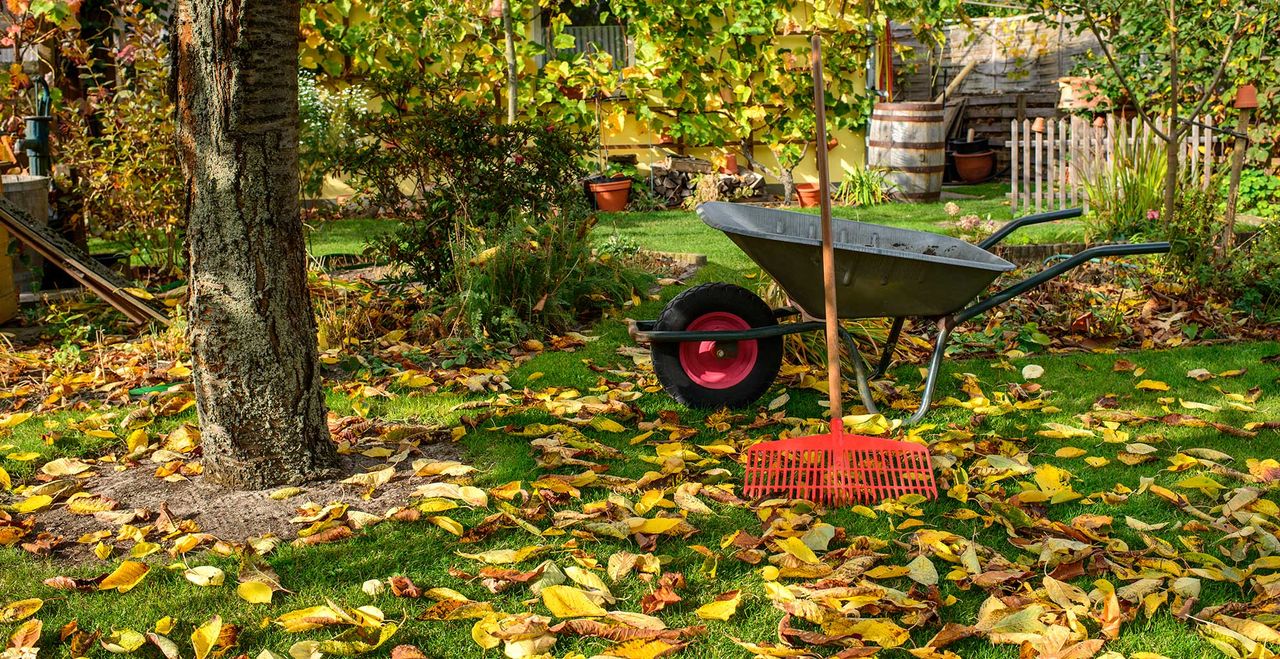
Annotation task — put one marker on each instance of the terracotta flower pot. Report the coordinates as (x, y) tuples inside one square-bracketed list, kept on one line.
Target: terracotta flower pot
[(611, 196), (975, 167), (730, 164), (808, 195)]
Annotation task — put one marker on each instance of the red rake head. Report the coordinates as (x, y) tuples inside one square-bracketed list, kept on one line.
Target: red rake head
[(839, 469)]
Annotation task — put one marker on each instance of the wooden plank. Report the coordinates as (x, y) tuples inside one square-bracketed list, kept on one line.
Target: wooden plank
[(1209, 154), (1195, 148), (79, 265), (1052, 170), (1061, 163), (1013, 163), (1039, 171), (1026, 163)]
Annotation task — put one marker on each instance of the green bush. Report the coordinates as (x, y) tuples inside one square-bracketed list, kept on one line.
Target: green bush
[(1251, 275), (450, 170), (1259, 193), (540, 273), (1125, 193), (329, 122)]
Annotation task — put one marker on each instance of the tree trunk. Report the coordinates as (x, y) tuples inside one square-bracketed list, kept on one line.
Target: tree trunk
[(252, 331), (509, 37)]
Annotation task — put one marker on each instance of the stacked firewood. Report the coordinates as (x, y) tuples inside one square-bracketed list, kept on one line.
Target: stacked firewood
[(675, 179)]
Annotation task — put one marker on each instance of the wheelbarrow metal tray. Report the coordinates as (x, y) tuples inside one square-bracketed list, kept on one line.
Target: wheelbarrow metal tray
[(880, 271)]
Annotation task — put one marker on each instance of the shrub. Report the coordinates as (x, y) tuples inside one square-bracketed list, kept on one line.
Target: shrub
[(120, 151), (863, 186), (1123, 193), (540, 273), (329, 122), (1251, 275), (1259, 193), (450, 171)]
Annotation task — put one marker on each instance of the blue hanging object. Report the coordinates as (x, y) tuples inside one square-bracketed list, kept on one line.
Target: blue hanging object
[(36, 142)]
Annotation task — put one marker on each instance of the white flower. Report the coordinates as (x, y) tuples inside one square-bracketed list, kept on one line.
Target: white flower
[(951, 208)]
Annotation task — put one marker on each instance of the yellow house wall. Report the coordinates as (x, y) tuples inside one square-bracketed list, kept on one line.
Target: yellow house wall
[(636, 138)]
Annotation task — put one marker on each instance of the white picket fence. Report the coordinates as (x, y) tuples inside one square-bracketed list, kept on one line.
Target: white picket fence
[(1047, 167)]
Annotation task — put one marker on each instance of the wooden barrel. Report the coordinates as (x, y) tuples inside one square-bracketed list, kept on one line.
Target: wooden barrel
[(906, 142)]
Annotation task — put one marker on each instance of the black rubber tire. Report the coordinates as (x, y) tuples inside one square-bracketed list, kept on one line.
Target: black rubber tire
[(689, 306)]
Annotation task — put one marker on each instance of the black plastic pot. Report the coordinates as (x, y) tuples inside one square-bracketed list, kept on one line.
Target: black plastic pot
[(963, 147)]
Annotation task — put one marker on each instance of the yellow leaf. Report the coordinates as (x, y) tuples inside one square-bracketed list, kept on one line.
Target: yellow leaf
[(34, 504), (1096, 461), (206, 636), (19, 610), (1069, 452), (255, 592), (447, 523), (570, 602), (607, 425), (797, 548), (5, 482), (11, 420), (126, 577), (64, 467), (501, 556), (653, 526), (284, 493), (922, 571), (26, 456), (137, 440), (123, 641), (1152, 385), (205, 575), (723, 608)]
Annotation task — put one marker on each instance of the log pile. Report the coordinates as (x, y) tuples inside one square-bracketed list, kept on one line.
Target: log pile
[(675, 179)]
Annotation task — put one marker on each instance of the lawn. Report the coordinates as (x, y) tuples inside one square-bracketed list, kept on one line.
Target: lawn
[(1067, 441)]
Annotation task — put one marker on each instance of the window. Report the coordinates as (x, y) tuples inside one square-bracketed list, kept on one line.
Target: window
[(594, 30)]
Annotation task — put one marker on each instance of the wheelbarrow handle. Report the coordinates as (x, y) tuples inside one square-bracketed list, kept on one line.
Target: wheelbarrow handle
[(1027, 221), (1055, 270)]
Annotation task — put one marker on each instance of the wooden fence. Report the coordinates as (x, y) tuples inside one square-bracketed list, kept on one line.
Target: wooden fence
[(1048, 166)]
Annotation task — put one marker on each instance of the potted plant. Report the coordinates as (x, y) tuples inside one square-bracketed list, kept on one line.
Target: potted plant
[(611, 189)]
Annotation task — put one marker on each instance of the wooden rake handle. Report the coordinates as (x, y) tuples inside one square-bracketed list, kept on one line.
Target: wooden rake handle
[(828, 246)]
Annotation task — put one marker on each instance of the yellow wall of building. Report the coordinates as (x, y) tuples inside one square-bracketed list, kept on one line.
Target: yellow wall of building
[(636, 138)]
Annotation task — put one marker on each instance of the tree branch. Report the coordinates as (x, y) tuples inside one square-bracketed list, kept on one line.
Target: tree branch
[(1115, 67), (1217, 76)]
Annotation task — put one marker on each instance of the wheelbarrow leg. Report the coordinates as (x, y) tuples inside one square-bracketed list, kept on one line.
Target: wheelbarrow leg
[(890, 344), (931, 380)]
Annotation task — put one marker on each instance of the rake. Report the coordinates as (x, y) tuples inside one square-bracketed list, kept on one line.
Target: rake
[(835, 468)]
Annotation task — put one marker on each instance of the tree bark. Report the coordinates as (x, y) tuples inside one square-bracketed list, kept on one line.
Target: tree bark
[(252, 331)]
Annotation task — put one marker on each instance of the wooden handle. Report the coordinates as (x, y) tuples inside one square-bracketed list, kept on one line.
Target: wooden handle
[(828, 244)]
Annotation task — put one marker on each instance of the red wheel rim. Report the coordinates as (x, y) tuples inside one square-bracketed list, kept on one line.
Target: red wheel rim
[(699, 359)]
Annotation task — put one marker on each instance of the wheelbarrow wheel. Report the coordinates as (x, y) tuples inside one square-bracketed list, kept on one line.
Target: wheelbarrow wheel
[(707, 375)]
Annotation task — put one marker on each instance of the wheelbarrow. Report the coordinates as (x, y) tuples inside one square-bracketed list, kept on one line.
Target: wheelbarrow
[(719, 345)]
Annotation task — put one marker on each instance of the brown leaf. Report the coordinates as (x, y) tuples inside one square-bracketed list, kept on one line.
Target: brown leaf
[(407, 652), (27, 635), (622, 633), (404, 587), (334, 534)]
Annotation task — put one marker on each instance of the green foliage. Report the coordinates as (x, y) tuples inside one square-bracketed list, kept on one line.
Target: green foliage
[(329, 121), (862, 186), (120, 151), (1259, 193), (709, 73), (1124, 193), (1137, 33), (540, 274), (454, 171), (1253, 271)]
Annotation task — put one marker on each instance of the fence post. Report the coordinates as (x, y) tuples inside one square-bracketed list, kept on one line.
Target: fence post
[(1026, 162), (1013, 167), (1062, 163)]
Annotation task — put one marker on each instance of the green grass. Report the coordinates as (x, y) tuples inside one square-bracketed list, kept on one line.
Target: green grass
[(424, 552)]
